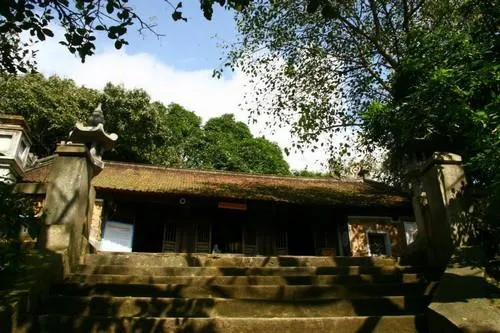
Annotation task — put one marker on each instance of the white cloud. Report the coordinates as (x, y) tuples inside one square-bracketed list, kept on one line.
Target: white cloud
[(195, 90)]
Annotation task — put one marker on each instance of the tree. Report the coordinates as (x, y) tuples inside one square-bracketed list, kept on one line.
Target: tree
[(229, 145), (408, 76), (321, 66), (16, 55), (173, 137), (82, 21), (186, 136), (51, 107), (128, 113), (17, 213), (446, 96), (316, 64)]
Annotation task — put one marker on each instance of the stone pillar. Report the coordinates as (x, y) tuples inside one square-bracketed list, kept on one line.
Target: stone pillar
[(442, 208), (70, 196), (68, 203)]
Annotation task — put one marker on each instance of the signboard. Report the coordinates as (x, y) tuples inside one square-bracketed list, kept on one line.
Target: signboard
[(117, 237), (232, 205)]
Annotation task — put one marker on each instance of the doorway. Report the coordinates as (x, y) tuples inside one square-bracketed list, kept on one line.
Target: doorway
[(227, 231), (300, 240)]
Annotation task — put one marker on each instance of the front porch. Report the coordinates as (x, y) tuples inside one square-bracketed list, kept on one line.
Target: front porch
[(251, 228)]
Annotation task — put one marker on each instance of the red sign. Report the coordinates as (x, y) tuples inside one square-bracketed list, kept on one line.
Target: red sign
[(232, 205)]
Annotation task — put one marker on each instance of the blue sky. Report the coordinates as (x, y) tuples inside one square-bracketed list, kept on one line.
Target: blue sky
[(191, 45)]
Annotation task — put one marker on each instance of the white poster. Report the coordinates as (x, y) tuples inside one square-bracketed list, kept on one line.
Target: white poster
[(117, 237)]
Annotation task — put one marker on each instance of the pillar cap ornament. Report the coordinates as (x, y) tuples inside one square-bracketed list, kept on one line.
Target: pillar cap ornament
[(94, 136)]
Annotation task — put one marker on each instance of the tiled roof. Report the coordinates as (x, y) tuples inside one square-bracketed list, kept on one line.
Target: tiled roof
[(140, 178)]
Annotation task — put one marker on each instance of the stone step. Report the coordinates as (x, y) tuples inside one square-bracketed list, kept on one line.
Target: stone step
[(223, 307), (382, 324), (244, 271), (208, 260), (250, 279), (267, 292)]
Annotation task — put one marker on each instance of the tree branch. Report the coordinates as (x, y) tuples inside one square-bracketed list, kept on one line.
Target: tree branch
[(374, 42), (406, 16), (376, 21)]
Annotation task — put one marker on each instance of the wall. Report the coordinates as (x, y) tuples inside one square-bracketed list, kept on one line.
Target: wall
[(359, 226)]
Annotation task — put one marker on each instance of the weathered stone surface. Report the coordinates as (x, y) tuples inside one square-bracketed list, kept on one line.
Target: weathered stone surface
[(400, 324), (67, 203), (19, 294), (249, 279), (57, 237), (202, 294), (277, 291), (234, 308), (231, 260), (464, 300), (243, 271), (440, 209)]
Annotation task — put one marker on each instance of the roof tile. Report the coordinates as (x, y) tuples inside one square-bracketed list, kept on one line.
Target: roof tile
[(140, 178)]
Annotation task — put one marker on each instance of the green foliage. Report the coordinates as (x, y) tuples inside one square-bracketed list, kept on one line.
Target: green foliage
[(16, 55), (149, 132), (17, 214), (82, 21), (130, 113), (186, 135), (311, 174), (229, 145), (411, 77), (316, 64), (446, 96), (51, 106)]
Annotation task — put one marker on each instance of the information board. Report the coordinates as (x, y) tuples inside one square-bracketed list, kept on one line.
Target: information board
[(117, 237)]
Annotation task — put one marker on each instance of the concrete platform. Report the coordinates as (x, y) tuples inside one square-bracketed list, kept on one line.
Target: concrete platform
[(244, 271), (262, 292), (233, 308), (380, 324), (230, 260), (200, 293), (249, 279)]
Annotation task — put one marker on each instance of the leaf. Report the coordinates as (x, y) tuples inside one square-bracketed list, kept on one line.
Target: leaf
[(110, 6), (48, 32), (40, 35), (177, 16), (312, 6)]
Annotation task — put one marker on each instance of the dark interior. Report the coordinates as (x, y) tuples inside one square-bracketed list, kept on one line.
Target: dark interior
[(300, 240)]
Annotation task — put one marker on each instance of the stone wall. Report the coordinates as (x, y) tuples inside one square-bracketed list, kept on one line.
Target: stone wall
[(359, 227)]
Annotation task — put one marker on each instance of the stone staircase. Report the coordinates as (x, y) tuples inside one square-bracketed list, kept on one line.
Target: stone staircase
[(204, 293)]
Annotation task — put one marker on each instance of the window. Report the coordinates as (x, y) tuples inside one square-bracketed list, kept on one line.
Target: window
[(378, 243), (282, 243), (5, 142), (169, 237), (23, 149)]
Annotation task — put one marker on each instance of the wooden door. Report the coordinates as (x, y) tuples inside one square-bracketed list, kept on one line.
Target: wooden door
[(282, 243), (203, 237), (249, 241), (169, 237)]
